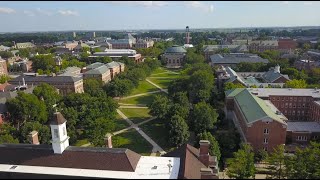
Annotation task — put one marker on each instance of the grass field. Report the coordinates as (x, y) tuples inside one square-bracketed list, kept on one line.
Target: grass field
[(147, 99), (143, 87), (158, 132), (136, 115), (169, 75), (120, 123), (132, 140), (159, 70), (163, 83)]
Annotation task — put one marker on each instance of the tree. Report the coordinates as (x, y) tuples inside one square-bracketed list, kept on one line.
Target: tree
[(43, 130), (4, 78), (98, 129), (201, 84), (44, 62), (305, 164), (93, 87), (119, 87), (214, 145), (203, 117), (242, 165), (26, 107), (159, 106), (306, 46), (230, 85), (135, 75), (178, 131), (49, 95), (72, 116), (296, 83), (276, 161), (6, 54), (7, 138)]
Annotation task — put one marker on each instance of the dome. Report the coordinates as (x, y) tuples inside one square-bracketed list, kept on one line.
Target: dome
[(175, 49)]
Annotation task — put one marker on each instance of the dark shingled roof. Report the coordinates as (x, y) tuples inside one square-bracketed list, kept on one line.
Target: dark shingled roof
[(46, 79), (114, 159), (175, 49), (57, 119), (236, 58), (190, 165)]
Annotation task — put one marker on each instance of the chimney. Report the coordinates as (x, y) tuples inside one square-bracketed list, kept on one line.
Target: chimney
[(108, 140), (207, 173), (33, 137), (204, 152)]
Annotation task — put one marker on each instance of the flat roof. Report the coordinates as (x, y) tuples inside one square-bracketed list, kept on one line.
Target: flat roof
[(266, 92), (148, 167), (303, 126)]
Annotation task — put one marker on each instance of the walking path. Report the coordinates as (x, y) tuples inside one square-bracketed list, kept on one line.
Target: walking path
[(142, 94), (156, 147), (163, 90)]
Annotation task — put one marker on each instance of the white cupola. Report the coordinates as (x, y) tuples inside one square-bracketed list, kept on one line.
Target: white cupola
[(60, 139)]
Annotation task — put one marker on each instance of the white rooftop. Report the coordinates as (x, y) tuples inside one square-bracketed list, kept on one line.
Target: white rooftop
[(148, 167), (303, 126), (266, 92)]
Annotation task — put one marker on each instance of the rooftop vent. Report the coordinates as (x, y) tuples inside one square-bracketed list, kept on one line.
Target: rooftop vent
[(278, 113), (154, 167), (290, 89)]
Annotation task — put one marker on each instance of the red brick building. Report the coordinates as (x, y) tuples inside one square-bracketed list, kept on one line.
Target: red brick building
[(3, 67), (294, 115), (287, 45)]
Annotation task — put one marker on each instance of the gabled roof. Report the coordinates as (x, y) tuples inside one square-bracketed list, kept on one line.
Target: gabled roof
[(235, 58), (94, 65), (100, 70), (253, 108), (96, 158), (271, 76), (190, 165)]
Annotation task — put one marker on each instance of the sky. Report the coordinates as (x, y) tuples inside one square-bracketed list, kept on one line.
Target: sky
[(134, 15)]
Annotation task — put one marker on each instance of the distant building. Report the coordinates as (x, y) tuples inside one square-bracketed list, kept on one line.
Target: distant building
[(141, 43), (80, 46), (103, 72), (261, 46), (121, 44), (174, 56), (233, 59), (287, 45), (24, 45), (3, 67), (116, 54), (272, 78), (4, 48), (71, 71), (305, 64), (65, 84), (213, 49)]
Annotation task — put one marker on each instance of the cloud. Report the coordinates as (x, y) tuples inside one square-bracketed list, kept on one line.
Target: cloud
[(199, 5), (29, 13), (6, 10), (141, 3), (45, 12), (68, 13)]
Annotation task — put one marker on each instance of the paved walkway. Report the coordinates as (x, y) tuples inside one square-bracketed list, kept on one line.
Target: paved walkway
[(142, 94), (156, 147), (163, 90)]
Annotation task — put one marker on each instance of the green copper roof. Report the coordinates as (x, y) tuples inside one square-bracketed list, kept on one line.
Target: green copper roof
[(234, 92), (252, 107)]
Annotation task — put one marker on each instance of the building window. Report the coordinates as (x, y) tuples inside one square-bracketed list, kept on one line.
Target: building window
[(55, 133), (315, 137), (265, 148), (266, 131), (64, 131), (265, 140)]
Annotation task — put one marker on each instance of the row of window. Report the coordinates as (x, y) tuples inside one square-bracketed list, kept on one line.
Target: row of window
[(174, 61), (296, 99)]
